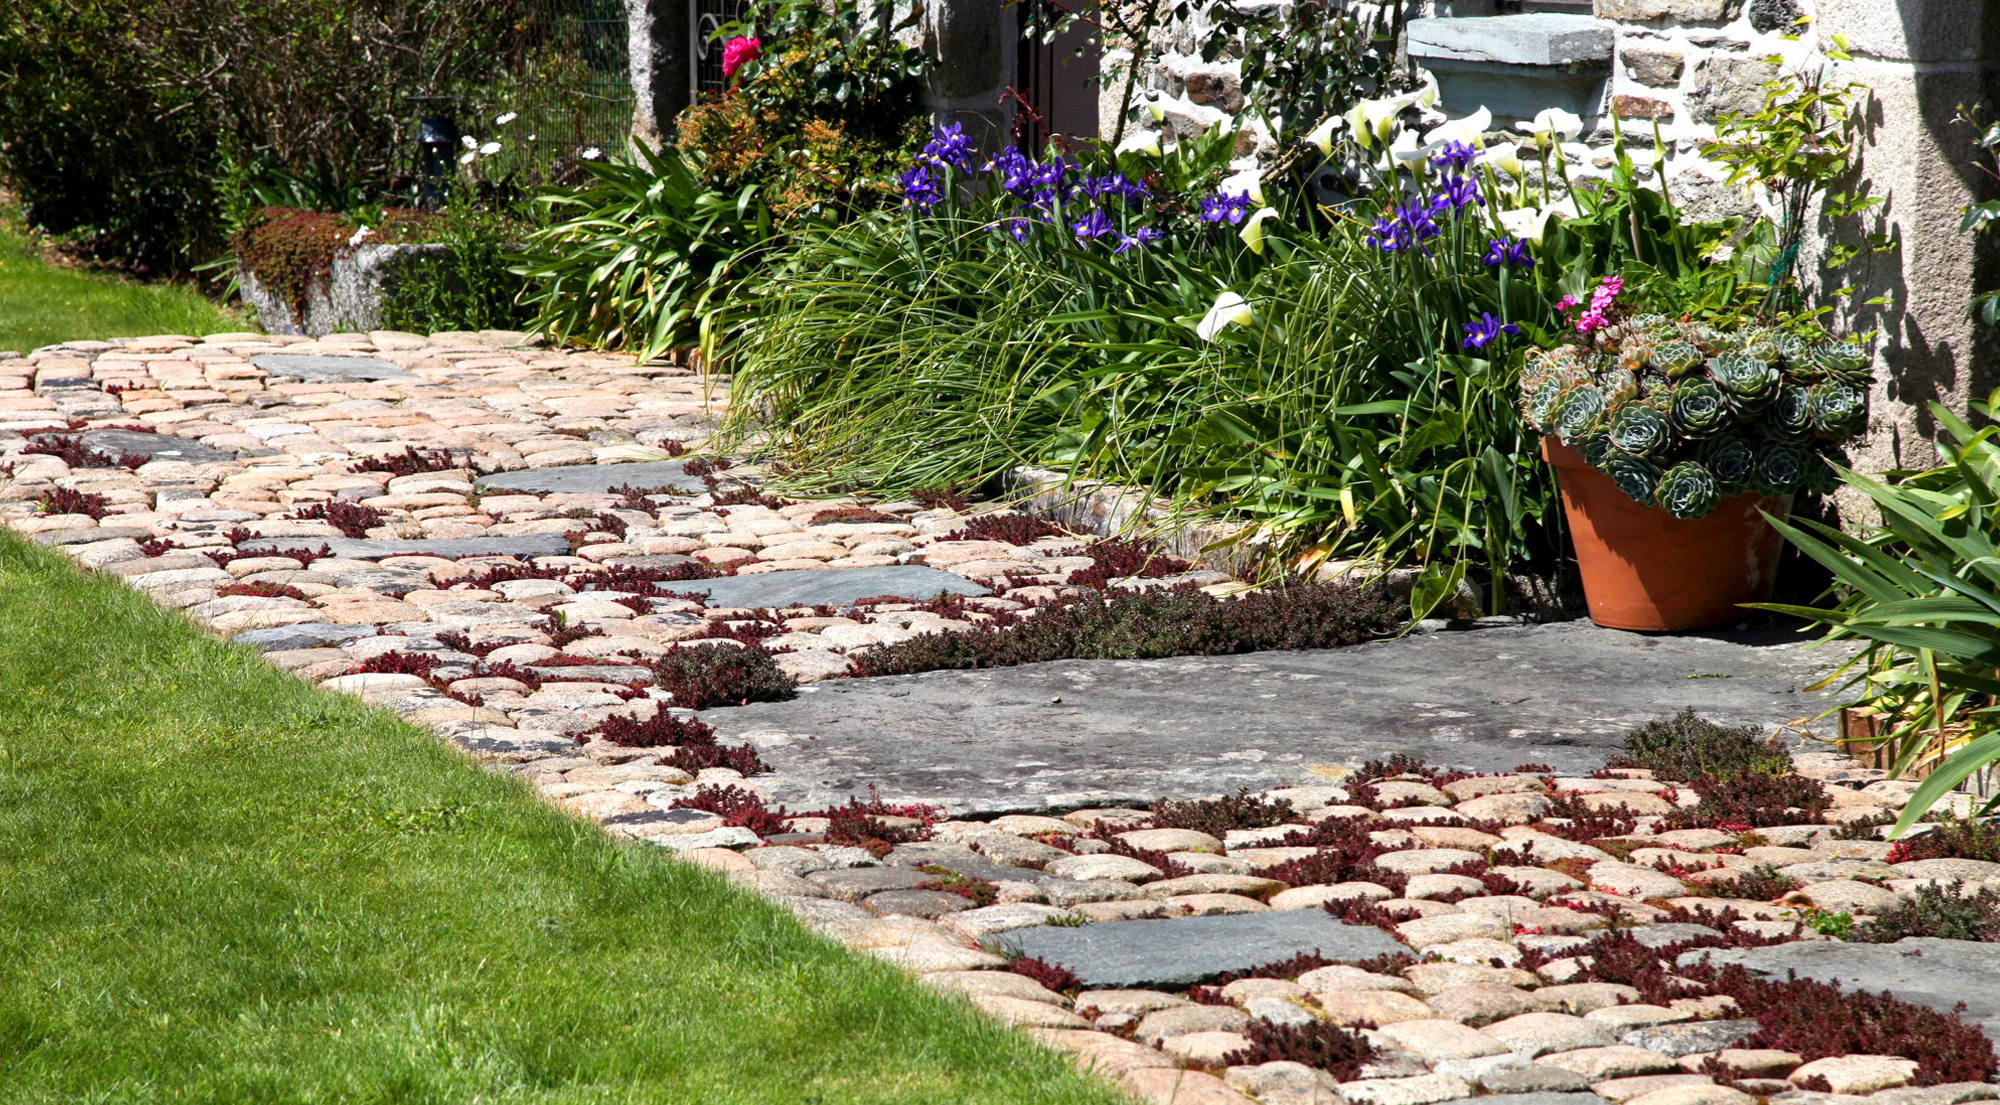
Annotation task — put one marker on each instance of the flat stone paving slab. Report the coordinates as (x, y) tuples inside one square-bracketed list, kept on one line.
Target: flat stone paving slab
[(301, 635), (593, 479), (320, 368), (1920, 969), (350, 548), (1075, 733), (832, 586), (154, 446), (1118, 955)]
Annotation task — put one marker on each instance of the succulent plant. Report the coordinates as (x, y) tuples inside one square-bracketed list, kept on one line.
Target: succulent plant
[(1731, 459), (1641, 430), (1822, 477), (1751, 383), (1687, 490), (1675, 358), (1789, 417), (1700, 410), (1580, 411), (1637, 477), (1837, 410), (1846, 362), (1682, 413), (1780, 467)]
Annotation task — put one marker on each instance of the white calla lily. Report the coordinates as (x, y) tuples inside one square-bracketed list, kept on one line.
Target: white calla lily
[(1379, 116), (1506, 156), (1322, 135), (1526, 223), (1406, 151), (1141, 141), (1157, 108), (1552, 124), (1426, 94), (1249, 182), (1253, 229), (1470, 130), (1230, 308)]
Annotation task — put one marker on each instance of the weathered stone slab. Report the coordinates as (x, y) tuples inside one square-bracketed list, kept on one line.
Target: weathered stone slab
[(321, 368), (283, 638), (832, 586), (115, 443), (593, 479), (1181, 951), (349, 548), (1920, 969)]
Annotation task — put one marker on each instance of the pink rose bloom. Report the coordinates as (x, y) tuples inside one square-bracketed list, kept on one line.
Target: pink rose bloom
[(737, 53)]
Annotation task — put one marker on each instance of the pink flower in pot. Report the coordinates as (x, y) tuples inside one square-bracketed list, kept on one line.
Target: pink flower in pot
[(737, 53)]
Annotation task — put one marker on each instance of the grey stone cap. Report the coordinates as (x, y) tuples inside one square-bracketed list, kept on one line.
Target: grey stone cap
[(1539, 38)]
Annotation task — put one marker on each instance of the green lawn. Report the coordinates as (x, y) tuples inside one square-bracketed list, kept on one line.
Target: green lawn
[(41, 304), (220, 885)]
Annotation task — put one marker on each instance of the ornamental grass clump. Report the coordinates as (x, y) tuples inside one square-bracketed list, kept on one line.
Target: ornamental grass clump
[(1681, 415)]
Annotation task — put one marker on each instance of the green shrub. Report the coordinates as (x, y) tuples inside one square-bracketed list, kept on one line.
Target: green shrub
[(475, 285)]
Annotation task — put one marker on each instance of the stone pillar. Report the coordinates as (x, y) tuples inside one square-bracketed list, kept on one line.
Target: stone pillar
[(1922, 58), (660, 42), (972, 44)]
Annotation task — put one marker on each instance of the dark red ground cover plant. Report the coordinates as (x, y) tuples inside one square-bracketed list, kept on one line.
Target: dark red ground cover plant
[(457, 641), (1011, 528), (409, 462), (260, 590), (63, 500), (70, 450), (1118, 558), (703, 676), (854, 514), (1321, 1045), (507, 669), (736, 806), (225, 557), (658, 731), (420, 664), (940, 498), (351, 519), (1060, 979), (1217, 816), (1952, 838), (973, 889)]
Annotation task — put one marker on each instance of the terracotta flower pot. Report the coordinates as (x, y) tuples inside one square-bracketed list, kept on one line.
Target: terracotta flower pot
[(1646, 570)]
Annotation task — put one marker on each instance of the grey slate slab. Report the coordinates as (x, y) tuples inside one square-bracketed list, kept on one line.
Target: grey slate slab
[(283, 638), (593, 479), (1113, 955), (154, 446), (1920, 969), (1060, 736), (1542, 1098), (321, 368), (832, 586), (538, 544)]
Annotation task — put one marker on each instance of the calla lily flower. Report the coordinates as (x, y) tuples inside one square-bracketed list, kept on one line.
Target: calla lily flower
[(1157, 108), (1527, 223), (1405, 150), (1249, 182), (1229, 308), (1552, 123), (1144, 141), (1470, 130), (1253, 229), (1506, 157), (1426, 94), (1322, 135)]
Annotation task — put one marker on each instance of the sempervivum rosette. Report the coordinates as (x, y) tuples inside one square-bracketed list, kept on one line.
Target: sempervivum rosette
[(1637, 477), (1845, 362), (1687, 490), (1675, 358), (1780, 467), (1640, 430), (1700, 410), (1751, 383), (1837, 411), (1790, 415), (1579, 412), (1731, 459), (1595, 446), (1543, 400)]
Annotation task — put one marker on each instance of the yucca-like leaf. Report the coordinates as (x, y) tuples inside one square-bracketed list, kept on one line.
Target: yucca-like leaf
[(1700, 410), (1687, 490)]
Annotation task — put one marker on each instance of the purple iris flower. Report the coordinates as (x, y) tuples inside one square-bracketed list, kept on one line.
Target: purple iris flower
[(1094, 225), (1221, 208), (1116, 184), (920, 188), (1015, 226), (1051, 175), (1017, 173), (1411, 227), (1462, 191), (1485, 329), (948, 147), (1508, 251), (1455, 156), (1137, 238)]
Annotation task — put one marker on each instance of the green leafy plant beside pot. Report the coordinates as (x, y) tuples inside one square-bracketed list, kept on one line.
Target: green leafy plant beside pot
[(1670, 437)]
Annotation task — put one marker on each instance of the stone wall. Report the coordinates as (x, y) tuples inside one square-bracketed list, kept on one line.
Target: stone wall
[(349, 298)]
